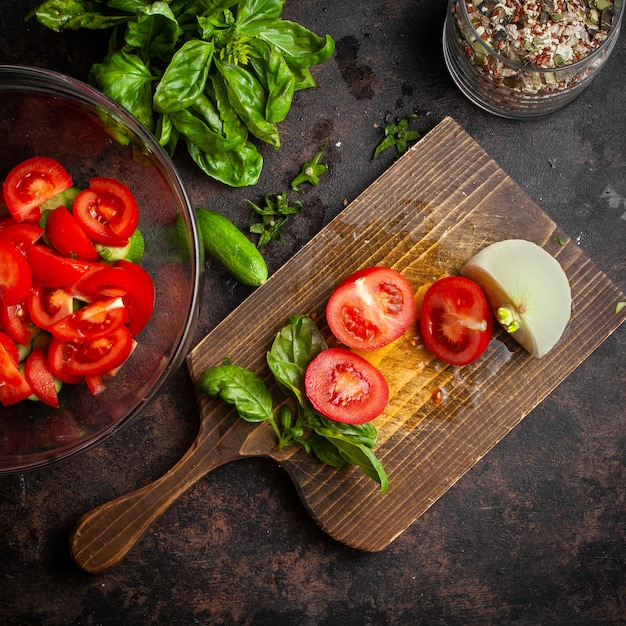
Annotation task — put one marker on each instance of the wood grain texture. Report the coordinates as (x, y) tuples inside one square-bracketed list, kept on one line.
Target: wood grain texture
[(444, 200)]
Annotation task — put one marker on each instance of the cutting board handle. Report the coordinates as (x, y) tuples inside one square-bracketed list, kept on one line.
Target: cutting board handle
[(105, 535)]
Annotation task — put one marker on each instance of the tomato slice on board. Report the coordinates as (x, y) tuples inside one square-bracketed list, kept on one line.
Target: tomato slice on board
[(30, 183), (68, 236), (40, 377), (371, 308), (49, 305), (15, 321), (456, 320), (107, 211), (16, 276), (92, 321), (69, 359), (52, 269), (132, 282), (345, 387)]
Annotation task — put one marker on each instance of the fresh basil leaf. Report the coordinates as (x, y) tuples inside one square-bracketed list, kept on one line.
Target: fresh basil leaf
[(237, 168), (256, 15), (362, 456), (241, 387), (300, 46), (155, 32), (248, 98), (190, 126), (326, 451), (303, 77), (185, 77), (295, 345), (61, 15), (362, 434), (130, 6), (231, 124), (281, 85), (125, 78)]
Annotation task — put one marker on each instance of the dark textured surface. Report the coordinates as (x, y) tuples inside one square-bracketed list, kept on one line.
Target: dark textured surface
[(533, 534)]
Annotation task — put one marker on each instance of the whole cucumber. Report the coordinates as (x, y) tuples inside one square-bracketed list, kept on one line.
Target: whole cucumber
[(227, 244)]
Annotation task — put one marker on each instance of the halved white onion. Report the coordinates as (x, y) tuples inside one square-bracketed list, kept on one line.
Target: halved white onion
[(527, 290)]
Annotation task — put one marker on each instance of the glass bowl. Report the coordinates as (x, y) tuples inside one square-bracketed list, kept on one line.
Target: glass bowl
[(528, 65), (43, 113)]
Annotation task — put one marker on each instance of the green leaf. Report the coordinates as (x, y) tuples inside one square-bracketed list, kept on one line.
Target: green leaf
[(248, 98), (125, 78), (363, 457), (254, 16), (185, 77), (241, 387), (236, 168), (326, 451), (295, 345), (299, 46), (61, 15), (155, 32)]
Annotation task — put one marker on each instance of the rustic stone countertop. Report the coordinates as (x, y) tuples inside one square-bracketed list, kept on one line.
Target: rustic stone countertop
[(535, 533)]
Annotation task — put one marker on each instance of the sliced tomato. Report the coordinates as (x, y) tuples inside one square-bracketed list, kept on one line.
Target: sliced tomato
[(13, 385), (371, 308), (132, 282), (49, 305), (456, 320), (40, 377), (16, 277), (68, 236), (51, 269), (30, 183), (107, 211), (345, 387), (69, 359), (22, 235), (15, 321), (92, 321)]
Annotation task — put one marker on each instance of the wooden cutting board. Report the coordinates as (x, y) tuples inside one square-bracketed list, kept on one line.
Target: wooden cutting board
[(444, 200)]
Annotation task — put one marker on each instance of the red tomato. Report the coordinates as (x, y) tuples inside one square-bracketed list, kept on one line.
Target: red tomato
[(13, 386), (94, 320), (16, 277), (345, 387), (107, 211), (31, 183), (370, 308), (22, 235), (70, 359), (130, 281), (456, 320), (39, 376), (48, 305), (15, 321), (68, 236), (52, 269)]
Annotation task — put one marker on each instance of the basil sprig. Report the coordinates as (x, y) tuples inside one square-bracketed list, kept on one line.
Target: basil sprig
[(295, 421), (206, 73)]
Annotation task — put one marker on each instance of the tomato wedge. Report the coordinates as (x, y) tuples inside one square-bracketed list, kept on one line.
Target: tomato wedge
[(130, 281), (53, 269), (68, 236), (30, 183), (13, 386), (40, 377), (22, 235), (48, 305), (345, 387), (70, 359), (15, 321), (107, 211), (456, 320), (16, 276), (94, 320), (371, 308)]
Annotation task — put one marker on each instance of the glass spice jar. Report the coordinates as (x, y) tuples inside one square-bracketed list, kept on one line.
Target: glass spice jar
[(522, 59)]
